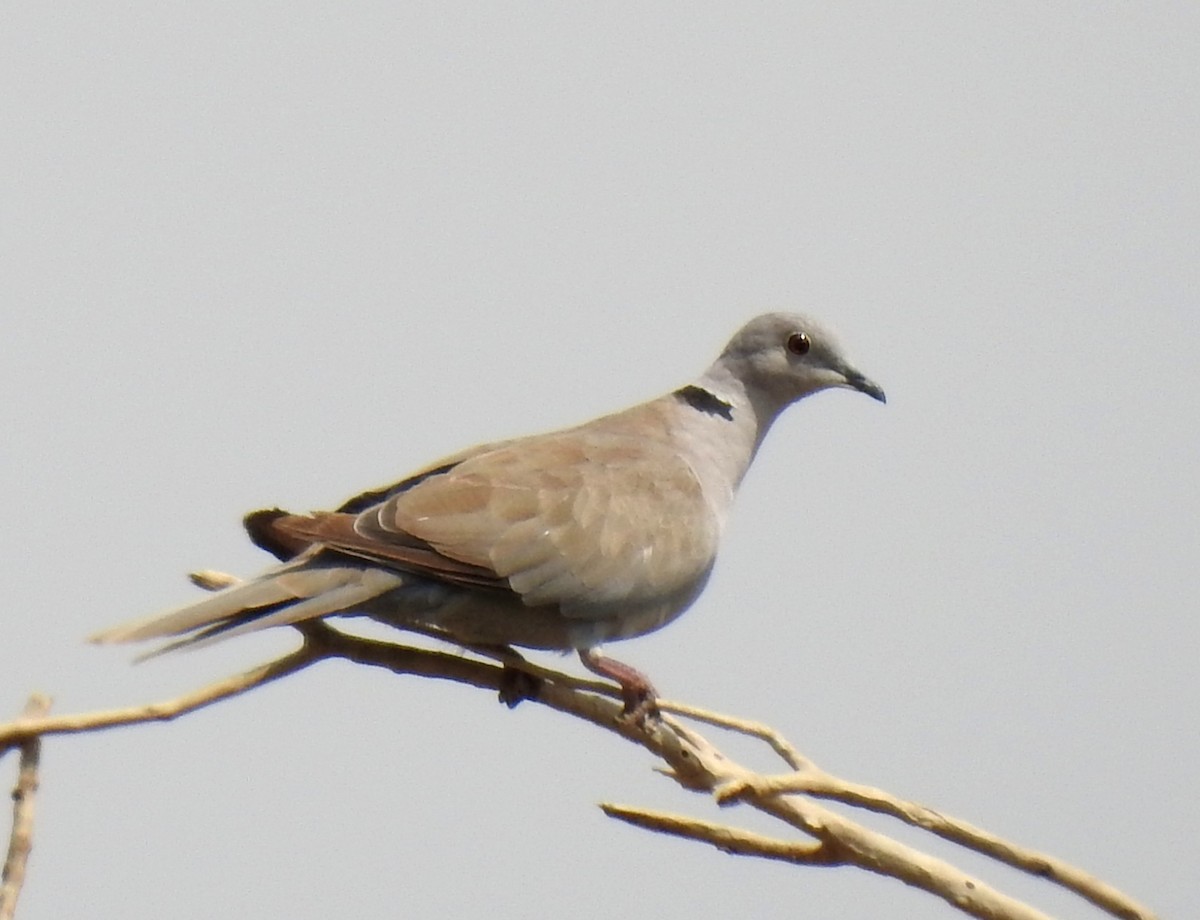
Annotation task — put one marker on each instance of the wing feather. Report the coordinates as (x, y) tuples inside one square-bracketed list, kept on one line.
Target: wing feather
[(586, 520), (579, 519)]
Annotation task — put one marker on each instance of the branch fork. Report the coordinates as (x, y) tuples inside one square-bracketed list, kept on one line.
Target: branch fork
[(689, 758)]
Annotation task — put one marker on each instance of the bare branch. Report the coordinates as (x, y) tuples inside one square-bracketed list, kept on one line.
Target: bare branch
[(842, 840), (696, 764), (816, 782), (792, 757), (20, 842), (691, 760), (164, 711), (728, 839)]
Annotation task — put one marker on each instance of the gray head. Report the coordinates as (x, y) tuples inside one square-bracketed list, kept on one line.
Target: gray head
[(782, 357)]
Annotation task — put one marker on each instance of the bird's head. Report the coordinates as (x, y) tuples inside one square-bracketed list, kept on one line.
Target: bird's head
[(782, 357)]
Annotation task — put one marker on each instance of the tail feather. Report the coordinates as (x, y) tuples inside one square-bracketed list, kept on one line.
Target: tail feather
[(208, 634), (265, 591), (360, 586), (289, 593)]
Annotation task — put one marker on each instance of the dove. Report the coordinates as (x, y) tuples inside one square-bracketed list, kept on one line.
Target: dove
[(564, 540)]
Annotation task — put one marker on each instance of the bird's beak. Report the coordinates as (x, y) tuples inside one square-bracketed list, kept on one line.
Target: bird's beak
[(857, 381)]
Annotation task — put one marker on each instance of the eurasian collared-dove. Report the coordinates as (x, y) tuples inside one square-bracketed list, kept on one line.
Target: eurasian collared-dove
[(562, 540)]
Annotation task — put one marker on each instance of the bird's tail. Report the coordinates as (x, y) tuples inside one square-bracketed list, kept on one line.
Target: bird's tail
[(303, 589)]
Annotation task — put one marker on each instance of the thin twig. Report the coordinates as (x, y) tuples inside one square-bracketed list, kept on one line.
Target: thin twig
[(792, 757), (732, 840), (20, 842), (164, 711)]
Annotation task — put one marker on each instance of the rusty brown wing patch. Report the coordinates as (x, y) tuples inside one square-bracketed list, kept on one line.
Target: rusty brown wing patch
[(403, 552)]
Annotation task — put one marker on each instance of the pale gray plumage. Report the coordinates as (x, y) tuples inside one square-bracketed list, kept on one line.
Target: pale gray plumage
[(562, 540)]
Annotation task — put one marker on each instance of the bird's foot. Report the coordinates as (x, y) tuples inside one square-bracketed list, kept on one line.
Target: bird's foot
[(516, 683), (517, 686), (641, 699)]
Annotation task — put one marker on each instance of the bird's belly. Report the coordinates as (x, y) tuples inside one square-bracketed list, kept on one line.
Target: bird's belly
[(496, 618)]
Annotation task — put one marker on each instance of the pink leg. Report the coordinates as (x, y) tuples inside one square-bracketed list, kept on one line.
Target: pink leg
[(639, 694)]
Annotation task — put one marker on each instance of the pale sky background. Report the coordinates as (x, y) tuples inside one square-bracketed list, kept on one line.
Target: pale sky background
[(258, 254)]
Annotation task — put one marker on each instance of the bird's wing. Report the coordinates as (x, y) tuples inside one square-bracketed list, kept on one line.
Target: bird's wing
[(583, 519)]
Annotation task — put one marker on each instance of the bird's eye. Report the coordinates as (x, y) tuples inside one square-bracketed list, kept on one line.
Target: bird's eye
[(798, 343)]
